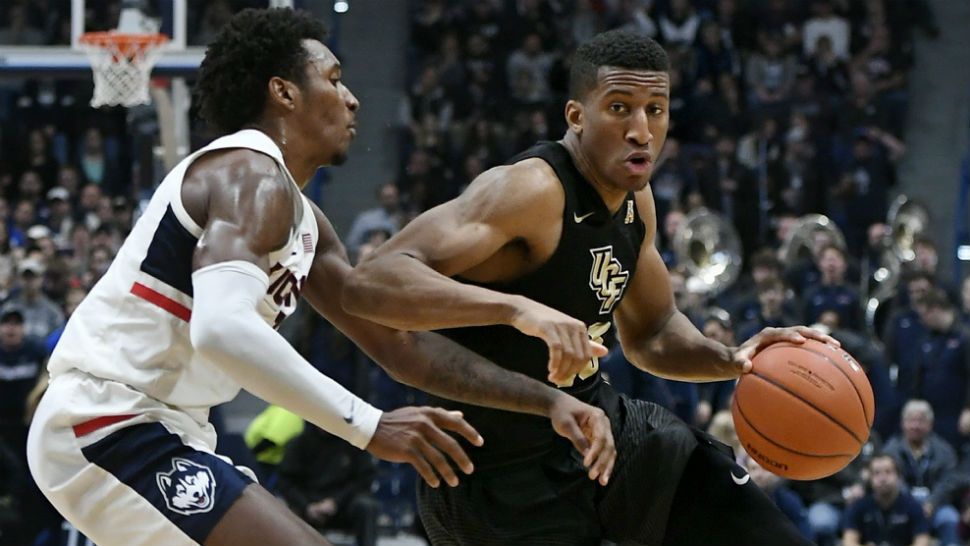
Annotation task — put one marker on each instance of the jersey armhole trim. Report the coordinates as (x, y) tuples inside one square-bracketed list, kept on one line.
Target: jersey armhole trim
[(183, 216)]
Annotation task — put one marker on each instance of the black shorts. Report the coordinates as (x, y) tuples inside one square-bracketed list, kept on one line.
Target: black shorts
[(551, 502)]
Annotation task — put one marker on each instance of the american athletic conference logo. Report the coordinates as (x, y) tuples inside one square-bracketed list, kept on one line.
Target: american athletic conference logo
[(607, 278), (189, 488)]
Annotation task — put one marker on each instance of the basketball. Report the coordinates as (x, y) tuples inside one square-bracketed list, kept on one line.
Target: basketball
[(804, 411)]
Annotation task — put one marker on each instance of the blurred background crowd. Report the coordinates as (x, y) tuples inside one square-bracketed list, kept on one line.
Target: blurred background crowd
[(779, 109)]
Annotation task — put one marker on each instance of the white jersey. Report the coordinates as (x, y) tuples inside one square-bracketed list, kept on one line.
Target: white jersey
[(133, 327)]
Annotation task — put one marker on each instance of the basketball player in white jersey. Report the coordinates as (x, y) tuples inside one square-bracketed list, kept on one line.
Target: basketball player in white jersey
[(185, 317)]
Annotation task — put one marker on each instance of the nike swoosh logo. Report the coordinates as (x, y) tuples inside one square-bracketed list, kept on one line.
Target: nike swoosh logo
[(579, 218), (740, 481)]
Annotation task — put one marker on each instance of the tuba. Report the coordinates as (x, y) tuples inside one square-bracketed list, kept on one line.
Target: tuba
[(799, 244), (709, 248), (908, 220)]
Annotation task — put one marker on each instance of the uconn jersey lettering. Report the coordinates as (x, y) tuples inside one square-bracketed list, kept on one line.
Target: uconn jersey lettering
[(133, 327)]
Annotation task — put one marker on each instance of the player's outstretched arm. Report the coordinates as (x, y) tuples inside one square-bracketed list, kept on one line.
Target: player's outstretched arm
[(436, 364), (247, 209), (406, 283), (658, 338)]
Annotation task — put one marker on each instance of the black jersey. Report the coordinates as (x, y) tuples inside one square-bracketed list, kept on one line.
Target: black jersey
[(585, 278)]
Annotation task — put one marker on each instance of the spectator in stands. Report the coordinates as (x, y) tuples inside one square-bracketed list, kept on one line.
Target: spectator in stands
[(39, 158), (679, 25), (71, 301), (18, 30), (888, 515), (826, 23), (943, 368), (923, 459), (833, 292), (784, 498), (903, 327), (96, 166), (13, 491), (331, 492), (386, 217), (41, 315), (771, 312), (528, 71), (24, 216), (57, 215), (21, 360), (716, 396), (771, 74), (831, 73)]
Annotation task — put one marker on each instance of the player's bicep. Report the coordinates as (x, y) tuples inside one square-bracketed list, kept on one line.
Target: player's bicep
[(501, 205), (649, 300)]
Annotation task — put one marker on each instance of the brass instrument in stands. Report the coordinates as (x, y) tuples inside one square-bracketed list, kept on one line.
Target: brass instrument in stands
[(709, 248), (907, 221), (799, 245)]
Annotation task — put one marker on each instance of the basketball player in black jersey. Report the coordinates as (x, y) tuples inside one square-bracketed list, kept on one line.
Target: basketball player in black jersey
[(269, 70), (536, 258)]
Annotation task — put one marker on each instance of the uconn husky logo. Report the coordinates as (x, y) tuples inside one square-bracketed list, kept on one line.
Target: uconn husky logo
[(607, 278), (189, 488)]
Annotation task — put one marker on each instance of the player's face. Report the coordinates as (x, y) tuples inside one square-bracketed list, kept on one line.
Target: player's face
[(624, 125), (329, 108)]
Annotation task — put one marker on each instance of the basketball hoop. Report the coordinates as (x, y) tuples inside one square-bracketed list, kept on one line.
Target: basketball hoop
[(122, 64)]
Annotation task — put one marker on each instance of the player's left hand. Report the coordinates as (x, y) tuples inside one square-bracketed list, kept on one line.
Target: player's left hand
[(764, 338), (589, 430)]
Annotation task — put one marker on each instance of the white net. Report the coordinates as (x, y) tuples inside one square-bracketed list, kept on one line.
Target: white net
[(122, 66)]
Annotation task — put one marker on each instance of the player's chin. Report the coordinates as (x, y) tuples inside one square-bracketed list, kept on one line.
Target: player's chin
[(339, 158)]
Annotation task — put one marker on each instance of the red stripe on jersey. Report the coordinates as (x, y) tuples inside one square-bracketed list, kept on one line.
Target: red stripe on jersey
[(162, 301), (87, 427)]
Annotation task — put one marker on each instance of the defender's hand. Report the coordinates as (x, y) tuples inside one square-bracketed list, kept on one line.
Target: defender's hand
[(417, 436), (570, 348), (588, 428), (794, 334)]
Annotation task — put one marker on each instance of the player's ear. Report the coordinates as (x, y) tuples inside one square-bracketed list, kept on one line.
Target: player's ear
[(283, 92), (574, 116)]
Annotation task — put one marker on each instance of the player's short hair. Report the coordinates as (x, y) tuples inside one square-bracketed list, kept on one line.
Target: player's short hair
[(615, 48), (254, 46)]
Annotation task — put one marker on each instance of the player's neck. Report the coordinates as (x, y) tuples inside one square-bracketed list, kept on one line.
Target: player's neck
[(612, 197), (301, 167)]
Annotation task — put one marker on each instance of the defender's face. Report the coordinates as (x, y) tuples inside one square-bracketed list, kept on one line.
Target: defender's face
[(329, 108), (624, 125)]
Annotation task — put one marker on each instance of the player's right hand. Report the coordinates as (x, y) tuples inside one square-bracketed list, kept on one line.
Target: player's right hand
[(589, 430), (416, 435), (570, 348)]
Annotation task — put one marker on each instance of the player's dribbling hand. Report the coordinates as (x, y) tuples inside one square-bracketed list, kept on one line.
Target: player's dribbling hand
[(417, 436), (570, 348), (588, 428), (764, 338)]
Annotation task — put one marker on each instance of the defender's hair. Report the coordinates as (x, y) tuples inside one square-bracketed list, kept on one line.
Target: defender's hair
[(254, 46)]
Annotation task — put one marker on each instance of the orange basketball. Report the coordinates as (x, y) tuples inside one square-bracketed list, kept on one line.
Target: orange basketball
[(804, 411)]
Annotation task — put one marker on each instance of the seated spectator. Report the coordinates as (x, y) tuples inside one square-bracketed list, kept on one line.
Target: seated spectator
[(21, 361), (965, 301), (331, 492), (826, 23), (722, 429), (833, 292), (41, 315), (923, 460), (784, 498), (18, 30), (13, 491), (770, 74), (771, 312), (716, 396), (387, 217), (943, 368), (887, 515)]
